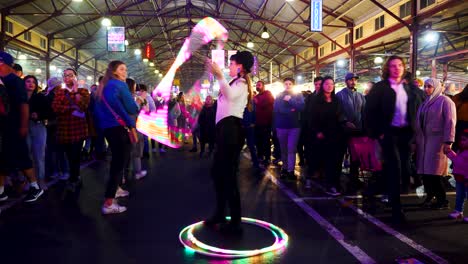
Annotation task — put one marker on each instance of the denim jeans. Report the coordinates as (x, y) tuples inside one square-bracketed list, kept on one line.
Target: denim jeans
[(37, 138), (56, 161), (288, 138), (462, 194)]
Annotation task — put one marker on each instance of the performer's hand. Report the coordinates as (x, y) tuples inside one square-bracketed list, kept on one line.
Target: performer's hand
[(447, 148), (350, 125)]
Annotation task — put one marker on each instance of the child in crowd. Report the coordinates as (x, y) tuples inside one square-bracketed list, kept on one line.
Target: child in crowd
[(460, 171)]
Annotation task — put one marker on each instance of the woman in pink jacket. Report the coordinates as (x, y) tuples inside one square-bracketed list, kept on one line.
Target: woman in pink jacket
[(435, 133), (460, 170)]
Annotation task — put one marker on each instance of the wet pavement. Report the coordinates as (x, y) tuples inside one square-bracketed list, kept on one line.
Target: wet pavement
[(178, 191)]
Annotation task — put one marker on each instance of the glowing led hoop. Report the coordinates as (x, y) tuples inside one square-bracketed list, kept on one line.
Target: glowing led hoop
[(155, 125), (189, 241)]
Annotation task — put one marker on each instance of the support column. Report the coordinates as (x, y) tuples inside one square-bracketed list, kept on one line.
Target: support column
[(3, 31), (47, 58), (414, 39), (271, 72), (352, 61), (317, 65), (433, 68)]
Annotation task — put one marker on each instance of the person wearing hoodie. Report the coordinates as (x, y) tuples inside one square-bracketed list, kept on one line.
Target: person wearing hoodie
[(286, 110)]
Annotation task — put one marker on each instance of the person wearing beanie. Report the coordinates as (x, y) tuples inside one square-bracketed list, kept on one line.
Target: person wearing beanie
[(232, 100)]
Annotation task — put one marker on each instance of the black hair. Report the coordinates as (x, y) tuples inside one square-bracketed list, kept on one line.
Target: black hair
[(70, 69), (289, 79), (321, 94), (319, 78)]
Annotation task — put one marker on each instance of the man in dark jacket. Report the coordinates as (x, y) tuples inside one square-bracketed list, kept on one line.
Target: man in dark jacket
[(390, 115)]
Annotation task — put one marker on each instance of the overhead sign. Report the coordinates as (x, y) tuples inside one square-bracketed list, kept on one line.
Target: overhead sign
[(149, 52), (316, 16), (116, 39)]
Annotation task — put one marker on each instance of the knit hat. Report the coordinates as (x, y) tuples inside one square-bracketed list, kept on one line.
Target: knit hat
[(6, 58)]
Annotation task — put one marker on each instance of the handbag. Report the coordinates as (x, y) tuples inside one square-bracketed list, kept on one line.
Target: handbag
[(367, 151), (131, 131)]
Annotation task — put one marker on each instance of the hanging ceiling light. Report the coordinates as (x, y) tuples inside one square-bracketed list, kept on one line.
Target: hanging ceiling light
[(265, 33), (137, 51), (151, 64), (106, 22), (378, 60), (126, 42), (250, 44)]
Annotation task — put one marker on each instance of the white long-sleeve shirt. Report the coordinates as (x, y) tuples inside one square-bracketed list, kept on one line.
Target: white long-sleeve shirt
[(399, 118), (232, 99)]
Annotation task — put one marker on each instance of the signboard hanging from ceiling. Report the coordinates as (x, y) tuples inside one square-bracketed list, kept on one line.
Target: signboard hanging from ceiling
[(116, 39), (316, 16)]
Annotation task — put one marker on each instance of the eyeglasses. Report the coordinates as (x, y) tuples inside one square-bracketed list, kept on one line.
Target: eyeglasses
[(68, 75)]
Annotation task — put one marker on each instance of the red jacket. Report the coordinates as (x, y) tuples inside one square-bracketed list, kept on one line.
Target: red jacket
[(264, 108)]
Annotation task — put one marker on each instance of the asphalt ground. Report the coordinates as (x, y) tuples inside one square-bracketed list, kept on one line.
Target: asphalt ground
[(178, 191)]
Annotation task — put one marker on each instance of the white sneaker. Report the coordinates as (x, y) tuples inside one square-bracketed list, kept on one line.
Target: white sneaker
[(456, 215), (140, 174), (113, 209), (121, 193)]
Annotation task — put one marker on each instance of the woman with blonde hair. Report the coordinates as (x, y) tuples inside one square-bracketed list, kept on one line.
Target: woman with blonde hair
[(113, 110)]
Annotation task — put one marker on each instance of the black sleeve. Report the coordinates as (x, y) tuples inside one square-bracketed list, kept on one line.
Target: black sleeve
[(371, 112)]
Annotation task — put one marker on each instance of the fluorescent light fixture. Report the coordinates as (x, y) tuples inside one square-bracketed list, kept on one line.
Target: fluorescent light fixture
[(431, 36), (138, 52), (145, 60), (340, 63), (53, 68), (250, 44), (106, 22), (38, 71), (22, 57), (418, 73), (378, 60), (299, 77), (160, 75), (79, 1), (89, 78), (151, 64)]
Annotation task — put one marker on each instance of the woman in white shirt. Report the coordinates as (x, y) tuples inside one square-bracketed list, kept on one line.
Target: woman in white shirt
[(233, 98)]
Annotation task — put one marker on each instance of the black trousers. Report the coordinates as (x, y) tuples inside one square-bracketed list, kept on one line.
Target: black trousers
[(73, 153), (353, 165), (301, 144), (121, 147), (263, 142), (396, 151), (229, 139), (434, 187), (325, 154)]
